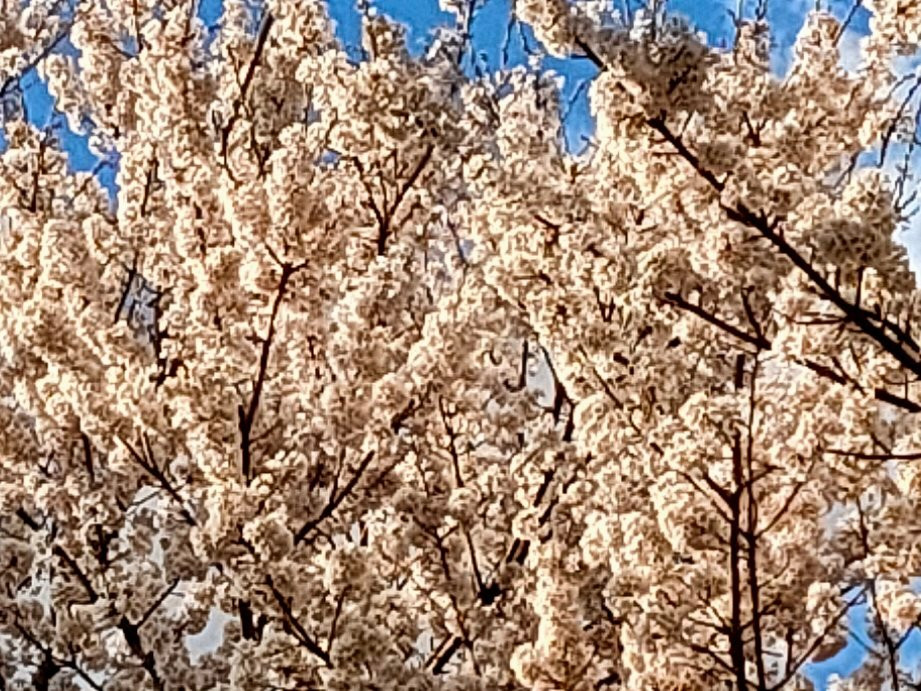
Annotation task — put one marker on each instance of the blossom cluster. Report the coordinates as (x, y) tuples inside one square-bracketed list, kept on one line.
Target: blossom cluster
[(365, 369)]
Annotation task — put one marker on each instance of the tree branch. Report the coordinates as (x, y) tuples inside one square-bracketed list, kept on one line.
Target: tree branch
[(334, 501), (248, 416), (758, 222), (300, 633)]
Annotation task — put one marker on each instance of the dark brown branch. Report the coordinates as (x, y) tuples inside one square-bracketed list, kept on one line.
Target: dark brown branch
[(887, 135), (446, 654), (132, 633), (486, 594), (247, 81), (560, 394), (518, 552), (126, 290), (898, 401), (150, 177), (740, 213), (75, 569), (736, 640), (30, 522), (332, 627), (892, 652), (156, 604), (464, 638), (48, 668), (788, 502), (751, 527), (875, 456), (13, 80), (706, 650), (658, 124), (794, 667), (88, 457), (385, 219), (146, 657), (720, 491), (452, 445), (299, 632), (590, 54), (147, 463), (247, 417), (334, 501), (251, 628), (51, 665), (396, 422), (758, 341), (847, 20), (37, 175)]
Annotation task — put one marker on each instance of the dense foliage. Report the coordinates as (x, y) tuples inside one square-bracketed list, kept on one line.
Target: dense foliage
[(364, 365)]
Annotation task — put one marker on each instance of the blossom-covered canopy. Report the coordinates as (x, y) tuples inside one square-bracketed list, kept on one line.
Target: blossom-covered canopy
[(364, 367)]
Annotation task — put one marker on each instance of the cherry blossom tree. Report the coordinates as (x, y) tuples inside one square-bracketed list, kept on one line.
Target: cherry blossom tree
[(362, 361)]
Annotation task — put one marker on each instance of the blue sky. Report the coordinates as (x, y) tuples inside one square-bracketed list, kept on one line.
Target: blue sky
[(420, 17)]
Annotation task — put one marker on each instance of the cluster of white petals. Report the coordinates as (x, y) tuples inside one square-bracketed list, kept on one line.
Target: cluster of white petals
[(364, 369)]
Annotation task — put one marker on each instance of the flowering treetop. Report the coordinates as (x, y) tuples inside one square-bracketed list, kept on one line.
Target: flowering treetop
[(289, 375)]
